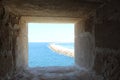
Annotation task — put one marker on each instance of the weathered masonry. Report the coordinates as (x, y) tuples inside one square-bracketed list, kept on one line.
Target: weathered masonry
[(97, 33)]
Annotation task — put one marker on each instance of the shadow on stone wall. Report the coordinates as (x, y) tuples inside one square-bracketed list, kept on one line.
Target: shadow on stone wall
[(107, 63), (8, 35)]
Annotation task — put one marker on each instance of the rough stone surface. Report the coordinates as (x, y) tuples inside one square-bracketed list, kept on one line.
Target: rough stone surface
[(107, 32), (101, 22), (8, 35), (84, 50), (22, 42), (52, 8), (53, 73), (107, 63), (107, 29)]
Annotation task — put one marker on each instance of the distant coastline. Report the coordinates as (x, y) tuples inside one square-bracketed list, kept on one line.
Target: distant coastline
[(41, 55), (62, 50)]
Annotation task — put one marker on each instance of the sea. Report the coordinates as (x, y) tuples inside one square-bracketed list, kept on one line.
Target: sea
[(40, 55)]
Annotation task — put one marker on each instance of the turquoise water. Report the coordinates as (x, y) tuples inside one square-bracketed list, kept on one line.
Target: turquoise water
[(40, 55)]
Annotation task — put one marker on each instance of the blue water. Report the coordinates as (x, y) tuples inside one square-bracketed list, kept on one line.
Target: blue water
[(40, 55)]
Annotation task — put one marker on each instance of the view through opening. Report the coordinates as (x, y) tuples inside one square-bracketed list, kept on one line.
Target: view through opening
[(50, 44)]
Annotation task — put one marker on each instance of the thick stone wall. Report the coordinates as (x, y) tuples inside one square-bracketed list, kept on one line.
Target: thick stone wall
[(84, 45), (107, 39), (107, 64), (103, 26), (108, 25), (22, 49), (9, 30)]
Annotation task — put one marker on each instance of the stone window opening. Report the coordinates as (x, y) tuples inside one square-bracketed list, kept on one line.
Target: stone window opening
[(50, 44), (84, 50)]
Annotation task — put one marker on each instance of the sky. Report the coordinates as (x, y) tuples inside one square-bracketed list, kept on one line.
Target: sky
[(50, 32)]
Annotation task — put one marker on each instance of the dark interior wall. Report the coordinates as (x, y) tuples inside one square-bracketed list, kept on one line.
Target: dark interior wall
[(107, 40), (105, 25), (108, 25), (9, 31)]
